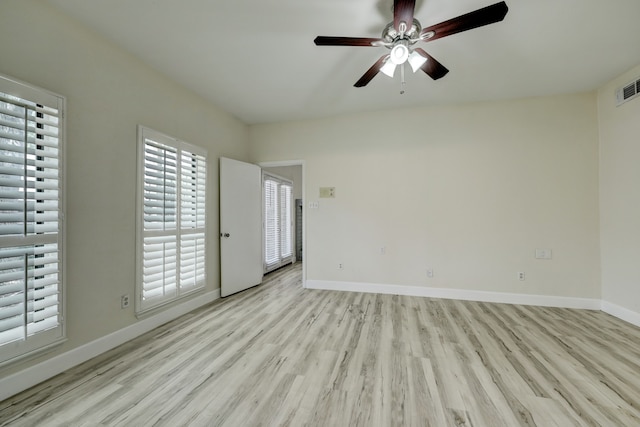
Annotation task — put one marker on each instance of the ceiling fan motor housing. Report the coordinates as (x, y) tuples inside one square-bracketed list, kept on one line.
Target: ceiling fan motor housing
[(390, 35)]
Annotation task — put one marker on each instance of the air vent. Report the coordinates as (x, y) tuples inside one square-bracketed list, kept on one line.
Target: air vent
[(628, 92)]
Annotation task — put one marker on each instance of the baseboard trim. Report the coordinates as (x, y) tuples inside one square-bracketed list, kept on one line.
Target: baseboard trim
[(22, 380), (621, 313), (458, 294)]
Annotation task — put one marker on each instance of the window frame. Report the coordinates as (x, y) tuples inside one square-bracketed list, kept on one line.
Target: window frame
[(44, 340), (142, 306)]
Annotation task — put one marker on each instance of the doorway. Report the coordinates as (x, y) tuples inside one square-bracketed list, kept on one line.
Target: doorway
[(298, 229)]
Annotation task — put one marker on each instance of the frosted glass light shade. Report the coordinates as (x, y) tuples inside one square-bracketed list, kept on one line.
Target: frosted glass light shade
[(416, 61), (399, 54), (389, 68)]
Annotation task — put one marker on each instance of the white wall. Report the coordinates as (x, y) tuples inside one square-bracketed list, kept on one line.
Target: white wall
[(469, 191), (108, 93), (620, 197)]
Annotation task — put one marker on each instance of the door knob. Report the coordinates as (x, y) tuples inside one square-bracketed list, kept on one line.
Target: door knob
[(226, 235)]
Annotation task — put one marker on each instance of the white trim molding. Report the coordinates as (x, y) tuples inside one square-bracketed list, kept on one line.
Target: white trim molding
[(22, 380), (458, 294), (621, 313)]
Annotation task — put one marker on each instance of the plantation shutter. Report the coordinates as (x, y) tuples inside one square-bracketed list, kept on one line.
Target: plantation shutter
[(286, 243), (278, 246), (192, 204), (160, 217), (30, 219), (160, 186), (272, 223), (172, 202)]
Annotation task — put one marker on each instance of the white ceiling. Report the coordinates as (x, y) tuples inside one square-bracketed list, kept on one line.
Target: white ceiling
[(257, 60)]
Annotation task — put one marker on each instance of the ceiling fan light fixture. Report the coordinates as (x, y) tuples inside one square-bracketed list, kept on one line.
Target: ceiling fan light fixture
[(399, 53), (404, 31), (389, 68), (416, 61)]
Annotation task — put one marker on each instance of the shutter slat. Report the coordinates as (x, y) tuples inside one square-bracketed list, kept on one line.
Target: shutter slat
[(10, 311)]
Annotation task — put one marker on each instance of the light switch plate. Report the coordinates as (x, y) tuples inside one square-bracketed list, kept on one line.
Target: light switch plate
[(543, 254)]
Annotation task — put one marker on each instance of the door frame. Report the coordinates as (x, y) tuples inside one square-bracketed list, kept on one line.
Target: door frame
[(300, 163)]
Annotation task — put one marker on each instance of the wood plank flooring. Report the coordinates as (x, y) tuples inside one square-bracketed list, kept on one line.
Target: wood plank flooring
[(279, 354)]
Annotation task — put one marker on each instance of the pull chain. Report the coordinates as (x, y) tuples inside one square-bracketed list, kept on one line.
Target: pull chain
[(402, 84)]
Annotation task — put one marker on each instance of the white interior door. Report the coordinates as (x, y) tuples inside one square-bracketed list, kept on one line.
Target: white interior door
[(240, 226)]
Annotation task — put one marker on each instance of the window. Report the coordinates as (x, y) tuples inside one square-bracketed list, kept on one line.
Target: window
[(278, 244), (171, 219), (31, 287)]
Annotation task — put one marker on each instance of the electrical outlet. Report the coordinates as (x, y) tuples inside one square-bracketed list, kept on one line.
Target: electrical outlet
[(340, 266), (521, 275), (383, 250), (430, 273), (124, 301)]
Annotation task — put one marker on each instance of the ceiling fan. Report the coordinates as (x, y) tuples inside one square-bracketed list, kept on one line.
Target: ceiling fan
[(404, 31)]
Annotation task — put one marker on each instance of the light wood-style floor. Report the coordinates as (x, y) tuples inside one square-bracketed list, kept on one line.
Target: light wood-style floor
[(279, 354)]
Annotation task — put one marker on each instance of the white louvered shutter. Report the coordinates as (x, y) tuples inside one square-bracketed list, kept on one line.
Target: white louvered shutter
[(160, 217), (172, 248), (271, 223), (192, 254), (286, 245), (278, 246), (30, 219)]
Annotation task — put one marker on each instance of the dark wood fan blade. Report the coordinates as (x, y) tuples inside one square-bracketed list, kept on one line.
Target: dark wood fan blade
[(345, 41), (485, 16), (371, 72), (432, 67), (403, 12)]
